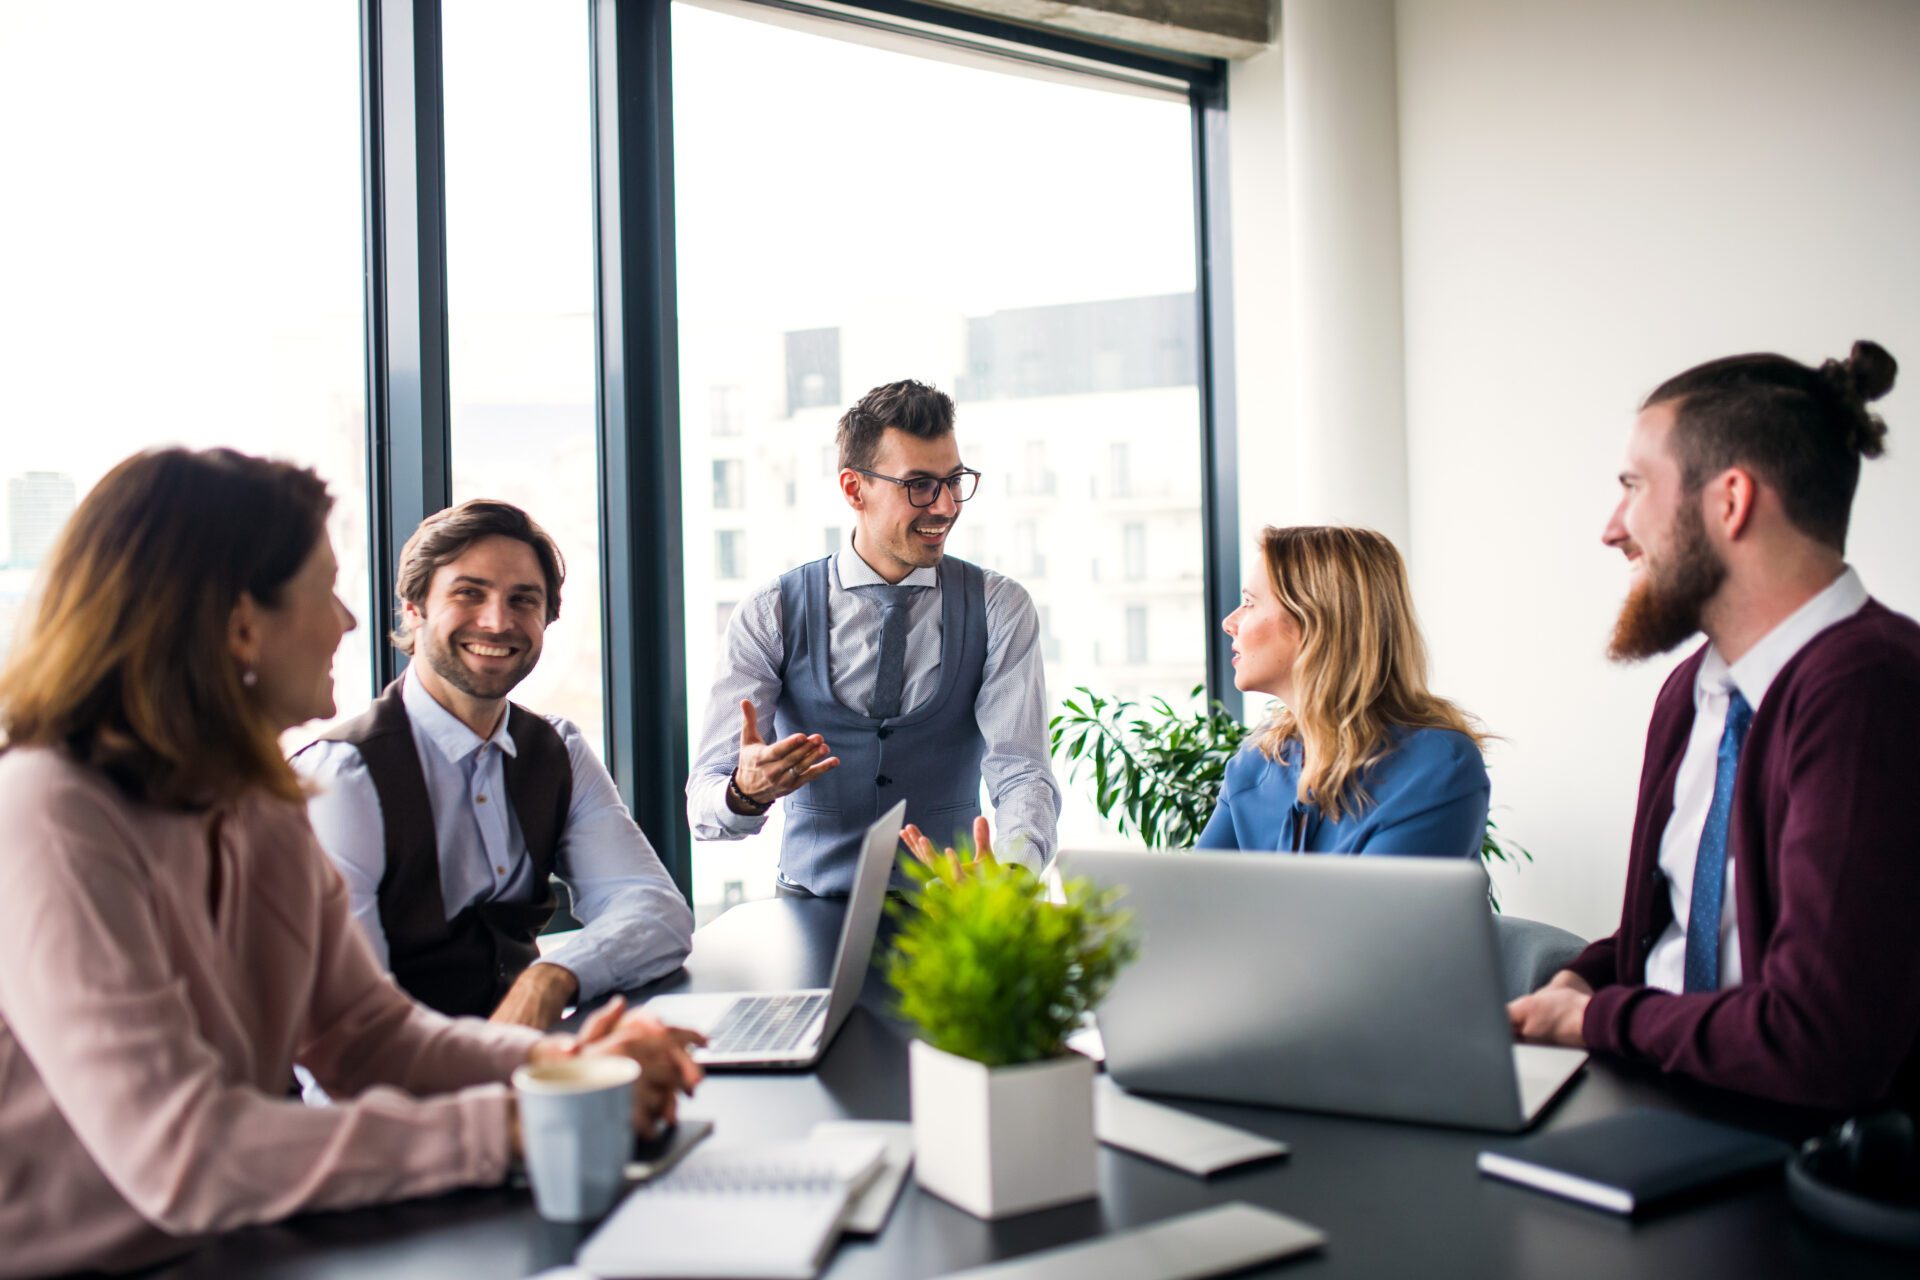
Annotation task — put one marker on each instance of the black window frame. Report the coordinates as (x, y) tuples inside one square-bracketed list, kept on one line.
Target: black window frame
[(409, 462)]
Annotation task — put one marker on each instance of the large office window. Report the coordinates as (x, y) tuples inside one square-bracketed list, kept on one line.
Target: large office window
[(182, 261), (866, 214), (838, 214), (519, 168)]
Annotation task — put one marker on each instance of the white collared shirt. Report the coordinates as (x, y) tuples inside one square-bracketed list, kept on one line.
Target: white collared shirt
[(1753, 675), (1011, 708), (853, 630), (636, 924)]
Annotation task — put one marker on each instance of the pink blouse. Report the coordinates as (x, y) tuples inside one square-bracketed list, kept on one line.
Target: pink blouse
[(148, 1032)]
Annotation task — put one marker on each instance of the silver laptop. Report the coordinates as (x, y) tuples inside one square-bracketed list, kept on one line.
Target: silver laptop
[(1369, 986), (793, 1028)]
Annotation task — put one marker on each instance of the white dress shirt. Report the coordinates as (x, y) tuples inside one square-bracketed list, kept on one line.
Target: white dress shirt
[(1011, 709), (1693, 786), (637, 926)]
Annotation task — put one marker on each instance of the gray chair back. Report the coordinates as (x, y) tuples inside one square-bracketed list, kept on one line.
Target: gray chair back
[(1532, 952)]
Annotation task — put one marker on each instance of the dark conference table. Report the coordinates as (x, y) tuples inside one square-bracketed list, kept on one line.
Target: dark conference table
[(1394, 1199)]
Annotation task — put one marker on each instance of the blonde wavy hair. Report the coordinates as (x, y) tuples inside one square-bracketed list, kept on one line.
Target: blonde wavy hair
[(1362, 667)]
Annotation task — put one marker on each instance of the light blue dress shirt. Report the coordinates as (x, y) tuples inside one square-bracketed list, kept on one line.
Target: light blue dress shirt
[(1428, 796), (637, 926)]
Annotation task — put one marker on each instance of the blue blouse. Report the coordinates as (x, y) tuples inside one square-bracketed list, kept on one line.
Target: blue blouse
[(1429, 796)]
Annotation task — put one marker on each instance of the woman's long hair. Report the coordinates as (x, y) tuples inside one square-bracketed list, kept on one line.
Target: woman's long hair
[(1362, 667), (124, 661)]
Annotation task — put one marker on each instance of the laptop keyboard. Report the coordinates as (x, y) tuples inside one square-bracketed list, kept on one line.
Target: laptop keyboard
[(766, 1024)]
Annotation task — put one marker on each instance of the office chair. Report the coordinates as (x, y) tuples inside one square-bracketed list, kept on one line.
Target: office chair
[(1532, 952)]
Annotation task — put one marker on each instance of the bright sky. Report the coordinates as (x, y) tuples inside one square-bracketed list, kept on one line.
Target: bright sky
[(167, 229), (167, 232), (818, 168)]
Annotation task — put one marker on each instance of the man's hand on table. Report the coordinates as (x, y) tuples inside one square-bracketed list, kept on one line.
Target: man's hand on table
[(538, 997), (667, 1070), (922, 848), (1555, 1013)]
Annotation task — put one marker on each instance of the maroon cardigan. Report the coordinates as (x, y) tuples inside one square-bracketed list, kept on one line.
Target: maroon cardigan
[(1826, 835)]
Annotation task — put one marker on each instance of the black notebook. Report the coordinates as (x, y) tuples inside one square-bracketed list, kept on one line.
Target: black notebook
[(1634, 1161)]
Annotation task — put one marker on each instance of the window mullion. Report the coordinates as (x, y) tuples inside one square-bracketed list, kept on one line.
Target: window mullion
[(639, 422), (409, 473), (1219, 475)]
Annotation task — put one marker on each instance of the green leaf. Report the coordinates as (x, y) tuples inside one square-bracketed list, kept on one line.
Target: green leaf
[(989, 969)]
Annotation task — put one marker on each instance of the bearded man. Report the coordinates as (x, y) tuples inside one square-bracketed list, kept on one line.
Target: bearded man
[(449, 811), (1766, 941)]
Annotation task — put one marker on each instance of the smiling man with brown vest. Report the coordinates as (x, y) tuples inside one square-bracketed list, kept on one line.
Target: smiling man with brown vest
[(448, 809)]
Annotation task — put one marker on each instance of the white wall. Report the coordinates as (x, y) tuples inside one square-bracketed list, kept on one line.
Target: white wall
[(1594, 197), (1343, 197), (1262, 288)]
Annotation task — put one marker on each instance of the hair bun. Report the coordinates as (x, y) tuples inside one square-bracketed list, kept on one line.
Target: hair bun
[(1865, 376), (1870, 368)]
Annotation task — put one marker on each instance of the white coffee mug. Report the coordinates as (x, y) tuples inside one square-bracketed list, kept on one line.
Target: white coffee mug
[(576, 1124)]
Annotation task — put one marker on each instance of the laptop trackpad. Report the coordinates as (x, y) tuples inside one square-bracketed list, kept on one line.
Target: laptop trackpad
[(695, 1012), (1542, 1070)]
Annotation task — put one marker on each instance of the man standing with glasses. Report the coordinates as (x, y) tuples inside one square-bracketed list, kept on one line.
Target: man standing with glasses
[(889, 670)]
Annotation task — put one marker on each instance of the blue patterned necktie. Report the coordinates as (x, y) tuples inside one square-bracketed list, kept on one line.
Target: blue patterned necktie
[(1710, 866), (890, 673)]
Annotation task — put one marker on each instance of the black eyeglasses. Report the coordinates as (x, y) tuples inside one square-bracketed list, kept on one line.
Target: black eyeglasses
[(923, 491)]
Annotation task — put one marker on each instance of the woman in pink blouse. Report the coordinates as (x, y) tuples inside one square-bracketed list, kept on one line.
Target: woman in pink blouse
[(172, 939)]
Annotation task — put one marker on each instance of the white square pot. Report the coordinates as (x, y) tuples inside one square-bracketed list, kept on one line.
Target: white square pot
[(997, 1141)]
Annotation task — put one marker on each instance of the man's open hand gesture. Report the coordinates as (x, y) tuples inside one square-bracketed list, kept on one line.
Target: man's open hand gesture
[(922, 848), (767, 771)]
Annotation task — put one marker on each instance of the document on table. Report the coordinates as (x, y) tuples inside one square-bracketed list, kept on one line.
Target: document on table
[(738, 1209), (868, 1212), (1206, 1242)]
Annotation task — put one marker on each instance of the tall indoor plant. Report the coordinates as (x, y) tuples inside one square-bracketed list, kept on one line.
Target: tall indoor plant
[(996, 977), (1157, 772)]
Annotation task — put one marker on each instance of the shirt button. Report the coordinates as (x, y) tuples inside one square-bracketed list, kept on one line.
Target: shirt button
[(481, 799), (500, 871)]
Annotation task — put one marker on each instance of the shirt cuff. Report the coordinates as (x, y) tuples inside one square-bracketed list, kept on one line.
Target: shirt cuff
[(740, 824), (1604, 1026), (1022, 849), (588, 967)]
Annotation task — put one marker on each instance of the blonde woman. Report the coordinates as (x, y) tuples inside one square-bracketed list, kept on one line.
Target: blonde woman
[(1360, 758)]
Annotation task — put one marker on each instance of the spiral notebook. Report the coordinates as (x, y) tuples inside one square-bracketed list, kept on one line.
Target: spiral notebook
[(750, 1210)]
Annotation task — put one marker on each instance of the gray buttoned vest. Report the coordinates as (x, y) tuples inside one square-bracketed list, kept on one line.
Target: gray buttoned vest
[(929, 754)]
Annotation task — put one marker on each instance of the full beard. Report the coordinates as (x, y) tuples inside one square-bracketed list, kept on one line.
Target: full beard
[(1665, 607)]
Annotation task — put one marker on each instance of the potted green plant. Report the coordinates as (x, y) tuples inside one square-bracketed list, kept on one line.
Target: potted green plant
[(1157, 772), (996, 976)]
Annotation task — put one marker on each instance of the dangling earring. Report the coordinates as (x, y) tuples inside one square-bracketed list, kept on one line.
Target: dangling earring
[(249, 677)]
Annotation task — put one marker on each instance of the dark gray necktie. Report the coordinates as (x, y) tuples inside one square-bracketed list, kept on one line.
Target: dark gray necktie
[(890, 673)]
